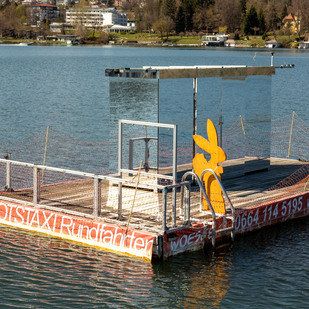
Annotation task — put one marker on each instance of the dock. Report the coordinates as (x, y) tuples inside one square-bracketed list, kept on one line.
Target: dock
[(189, 191), (165, 223)]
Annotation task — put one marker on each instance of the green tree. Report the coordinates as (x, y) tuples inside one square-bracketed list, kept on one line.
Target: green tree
[(180, 24), (243, 5), (188, 9), (261, 19), (251, 21), (168, 8)]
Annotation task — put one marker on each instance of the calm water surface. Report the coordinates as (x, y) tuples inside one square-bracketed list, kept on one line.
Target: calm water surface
[(66, 88), (266, 269)]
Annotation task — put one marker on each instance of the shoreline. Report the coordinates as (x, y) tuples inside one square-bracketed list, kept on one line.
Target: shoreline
[(5, 42), (164, 45)]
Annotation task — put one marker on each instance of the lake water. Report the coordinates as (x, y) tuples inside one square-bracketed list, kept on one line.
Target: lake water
[(65, 87)]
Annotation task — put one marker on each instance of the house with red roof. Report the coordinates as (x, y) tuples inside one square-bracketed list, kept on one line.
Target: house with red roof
[(291, 23)]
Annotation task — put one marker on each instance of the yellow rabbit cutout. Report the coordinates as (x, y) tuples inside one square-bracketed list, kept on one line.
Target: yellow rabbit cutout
[(200, 163)]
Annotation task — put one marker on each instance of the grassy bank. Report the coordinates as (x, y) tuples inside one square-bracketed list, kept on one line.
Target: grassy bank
[(248, 41)]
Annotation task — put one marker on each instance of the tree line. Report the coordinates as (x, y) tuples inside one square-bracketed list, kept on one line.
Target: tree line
[(255, 17), (234, 16)]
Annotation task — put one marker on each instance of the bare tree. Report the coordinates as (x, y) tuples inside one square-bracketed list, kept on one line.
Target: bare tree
[(81, 19), (300, 8), (150, 14), (230, 13), (164, 26), (11, 20), (204, 18)]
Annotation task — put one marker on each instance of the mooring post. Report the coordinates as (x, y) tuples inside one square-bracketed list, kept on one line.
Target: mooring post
[(36, 185), (97, 197)]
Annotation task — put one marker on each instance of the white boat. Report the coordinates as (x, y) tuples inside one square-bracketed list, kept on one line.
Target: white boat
[(24, 44)]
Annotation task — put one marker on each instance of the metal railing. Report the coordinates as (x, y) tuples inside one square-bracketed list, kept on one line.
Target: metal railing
[(38, 171), (212, 211), (169, 207)]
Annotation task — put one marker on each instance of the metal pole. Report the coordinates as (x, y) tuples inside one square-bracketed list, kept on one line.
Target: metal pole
[(8, 172), (187, 204), (119, 146), (175, 154), (158, 129), (164, 209), (119, 169), (174, 173), (221, 111), (97, 197), (194, 112), (131, 149), (36, 185), (119, 201)]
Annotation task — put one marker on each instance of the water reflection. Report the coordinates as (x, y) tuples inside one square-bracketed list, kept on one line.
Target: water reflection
[(266, 268), (198, 277), (50, 272)]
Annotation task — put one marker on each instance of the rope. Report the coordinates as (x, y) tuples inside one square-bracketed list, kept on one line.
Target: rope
[(46, 140), (291, 134), (242, 125), (139, 173)]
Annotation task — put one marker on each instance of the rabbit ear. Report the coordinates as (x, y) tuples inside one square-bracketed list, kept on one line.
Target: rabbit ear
[(204, 144), (212, 133)]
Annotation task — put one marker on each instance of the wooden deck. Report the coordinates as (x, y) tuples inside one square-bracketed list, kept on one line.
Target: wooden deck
[(244, 192)]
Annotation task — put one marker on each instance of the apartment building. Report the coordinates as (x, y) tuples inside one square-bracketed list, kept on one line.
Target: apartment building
[(41, 13), (95, 17)]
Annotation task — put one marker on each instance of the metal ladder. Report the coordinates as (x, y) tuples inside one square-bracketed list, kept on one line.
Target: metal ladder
[(229, 215)]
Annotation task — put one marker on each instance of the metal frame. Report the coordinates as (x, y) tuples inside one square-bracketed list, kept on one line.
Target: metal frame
[(149, 124), (194, 72)]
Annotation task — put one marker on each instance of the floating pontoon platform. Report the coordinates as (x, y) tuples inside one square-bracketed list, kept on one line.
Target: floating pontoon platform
[(157, 212)]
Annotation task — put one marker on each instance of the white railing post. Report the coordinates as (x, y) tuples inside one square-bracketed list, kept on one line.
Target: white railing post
[(36, 185), (97, 197), (8, 172), (119, 201), (164, 209), (187, 189)]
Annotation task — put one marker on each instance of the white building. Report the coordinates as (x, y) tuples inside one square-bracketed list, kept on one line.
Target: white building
[(95, 17)]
